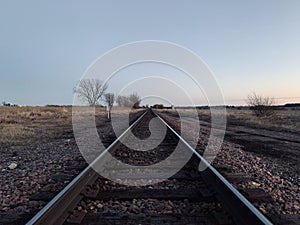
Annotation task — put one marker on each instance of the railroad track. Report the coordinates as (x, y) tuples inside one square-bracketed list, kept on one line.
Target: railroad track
[(188, 197)]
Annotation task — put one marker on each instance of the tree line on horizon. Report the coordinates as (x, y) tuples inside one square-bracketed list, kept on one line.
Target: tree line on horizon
[(93, 90)]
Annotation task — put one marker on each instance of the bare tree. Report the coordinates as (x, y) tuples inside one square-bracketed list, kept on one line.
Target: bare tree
[(4, 103), (109, 99), (261, 105), (134, 100), (91, 90), (120, 100)]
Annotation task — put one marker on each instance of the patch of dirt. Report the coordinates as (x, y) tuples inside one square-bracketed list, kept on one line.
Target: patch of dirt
[(269, 157), (35, 167)]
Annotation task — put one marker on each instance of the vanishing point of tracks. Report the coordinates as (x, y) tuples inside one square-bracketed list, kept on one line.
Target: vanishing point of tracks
[(188, 197)]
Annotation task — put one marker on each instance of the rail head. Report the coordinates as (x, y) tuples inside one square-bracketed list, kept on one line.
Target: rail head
[(248, 214), (63, 201), (245, 209)]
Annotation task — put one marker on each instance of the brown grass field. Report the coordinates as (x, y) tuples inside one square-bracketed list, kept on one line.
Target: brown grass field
[(27, 124), (19, 124), (282, 120), (41, 141)]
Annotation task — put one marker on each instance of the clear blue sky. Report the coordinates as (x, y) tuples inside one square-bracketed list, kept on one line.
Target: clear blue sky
[(45, 46)]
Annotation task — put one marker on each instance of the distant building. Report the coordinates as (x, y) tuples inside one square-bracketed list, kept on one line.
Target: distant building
[(158, 106), (8, 104)]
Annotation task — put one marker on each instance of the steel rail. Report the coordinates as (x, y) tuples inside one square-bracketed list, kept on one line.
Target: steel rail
[(245, 213), (66, 197), (242, 210)]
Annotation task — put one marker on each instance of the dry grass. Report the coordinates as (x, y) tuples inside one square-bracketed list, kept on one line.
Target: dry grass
[(17, 115), (19, 123), (282, 120), (10, 133), (24, 124)]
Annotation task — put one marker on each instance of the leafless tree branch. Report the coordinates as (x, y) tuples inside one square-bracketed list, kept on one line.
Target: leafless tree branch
[(91, 90), (261, 105)]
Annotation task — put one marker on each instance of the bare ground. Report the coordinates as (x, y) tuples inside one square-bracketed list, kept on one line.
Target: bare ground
[(39, 157), (40, 141), (266, 149)]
